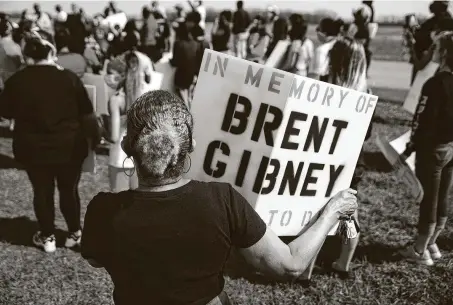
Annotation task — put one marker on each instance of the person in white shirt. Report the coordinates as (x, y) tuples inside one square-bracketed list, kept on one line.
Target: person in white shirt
[(327, 32), (301, 51), (42, 20), (199, 7), (61, 15)]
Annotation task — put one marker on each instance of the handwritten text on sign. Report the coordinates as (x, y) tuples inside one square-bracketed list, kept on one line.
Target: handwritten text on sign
[(286, 143)]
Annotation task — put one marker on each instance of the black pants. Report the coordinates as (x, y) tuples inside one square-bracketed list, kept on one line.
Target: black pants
[(434, 169), (42, 178)]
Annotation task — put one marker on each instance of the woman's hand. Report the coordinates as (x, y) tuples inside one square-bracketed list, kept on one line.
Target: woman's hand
[(343, 203)]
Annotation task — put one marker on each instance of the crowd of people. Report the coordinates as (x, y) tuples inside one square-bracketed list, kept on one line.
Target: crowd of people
[(164, 239)]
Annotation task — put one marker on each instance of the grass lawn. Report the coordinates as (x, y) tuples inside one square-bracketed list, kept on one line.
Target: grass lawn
[(387, 214)]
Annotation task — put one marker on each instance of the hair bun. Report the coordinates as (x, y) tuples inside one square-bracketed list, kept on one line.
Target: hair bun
[(158, 150), (36, 48)]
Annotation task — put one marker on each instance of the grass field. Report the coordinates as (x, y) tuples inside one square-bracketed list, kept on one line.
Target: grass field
[(387, 214)]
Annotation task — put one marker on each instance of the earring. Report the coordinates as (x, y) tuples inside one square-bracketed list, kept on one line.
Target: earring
[(133, 169), (190, 165)]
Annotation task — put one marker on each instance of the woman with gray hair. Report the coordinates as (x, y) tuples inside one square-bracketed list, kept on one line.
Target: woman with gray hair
[(167, 241)]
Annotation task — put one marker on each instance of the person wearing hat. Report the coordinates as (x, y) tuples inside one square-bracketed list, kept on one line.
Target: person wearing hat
[(276, 26)]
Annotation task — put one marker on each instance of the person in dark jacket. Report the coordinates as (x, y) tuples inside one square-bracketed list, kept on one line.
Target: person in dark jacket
[(77, 29), (221, 35), (241, 22), (54, 125), (432, 141), (185, 59)]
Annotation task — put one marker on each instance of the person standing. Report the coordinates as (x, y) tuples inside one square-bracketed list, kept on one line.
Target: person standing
[(68, 58), (241, 22), (156, 7), (277, 27), (301, 51), (42, 20), (197, 6), (54, 127), (148, 34), (180, 18), (221, 33), (186, 52), (362, 19), (432, 141), (327, 32), (77, 29)]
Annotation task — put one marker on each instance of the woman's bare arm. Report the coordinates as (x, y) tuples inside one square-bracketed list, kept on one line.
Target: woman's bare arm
[(288, 262)]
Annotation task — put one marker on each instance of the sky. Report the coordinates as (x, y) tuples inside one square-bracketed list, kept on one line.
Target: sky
[(341, 7)]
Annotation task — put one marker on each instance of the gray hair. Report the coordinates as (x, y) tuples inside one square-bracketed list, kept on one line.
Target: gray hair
[(159, 135)]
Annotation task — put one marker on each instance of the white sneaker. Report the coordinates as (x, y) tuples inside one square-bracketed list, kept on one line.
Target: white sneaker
[(412, 256), (48, 243), (434, 251), (73, 239)]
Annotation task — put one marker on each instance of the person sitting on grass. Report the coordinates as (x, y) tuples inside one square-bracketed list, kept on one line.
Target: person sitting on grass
[(167, 241), (55, 125), (432, 140)]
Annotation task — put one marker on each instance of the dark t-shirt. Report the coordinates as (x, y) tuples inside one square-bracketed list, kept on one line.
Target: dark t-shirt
[(220, 39), (185, 59), (241, 21), (47, 103), (432, 123), (169, 247)]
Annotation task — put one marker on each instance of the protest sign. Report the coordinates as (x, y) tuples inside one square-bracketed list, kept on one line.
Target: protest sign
[(89, 164), (287, 143), (168, 72), (102, 94), (404, 171), (399, 145), (411, 102), (278, 55)]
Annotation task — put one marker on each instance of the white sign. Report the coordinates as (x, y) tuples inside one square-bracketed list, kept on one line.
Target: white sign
[(287, 143), (411, 102), (405, 169), (102, 94)]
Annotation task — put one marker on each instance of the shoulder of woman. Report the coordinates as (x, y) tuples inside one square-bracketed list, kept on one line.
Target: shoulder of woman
[(102, 201)]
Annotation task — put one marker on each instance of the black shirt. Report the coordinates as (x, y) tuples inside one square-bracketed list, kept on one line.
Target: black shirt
[(169, 247), (47, 103), (241, 21), (220, 39), (185, 59), (433, 119)]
